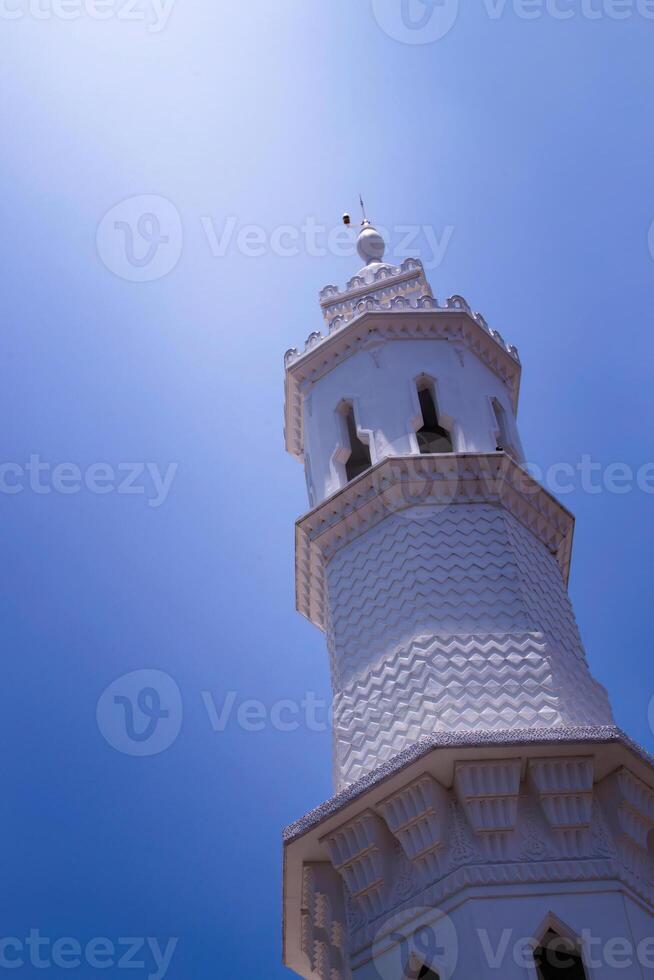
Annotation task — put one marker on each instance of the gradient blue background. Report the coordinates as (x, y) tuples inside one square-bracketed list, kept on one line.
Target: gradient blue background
[(533, 139)]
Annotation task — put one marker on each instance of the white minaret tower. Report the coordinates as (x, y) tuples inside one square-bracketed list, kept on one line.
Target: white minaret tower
[(482, 786)]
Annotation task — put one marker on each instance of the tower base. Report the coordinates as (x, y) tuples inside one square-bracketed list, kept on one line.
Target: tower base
[(477, 855)]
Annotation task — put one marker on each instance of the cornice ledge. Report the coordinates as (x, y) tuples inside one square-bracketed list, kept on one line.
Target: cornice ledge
[(579, 737), (455, 323), (402, 482)]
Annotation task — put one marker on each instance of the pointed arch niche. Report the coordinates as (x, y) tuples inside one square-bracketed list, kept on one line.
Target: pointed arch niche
[(353, 455), (558, 953), (434, 431), (418, 971)]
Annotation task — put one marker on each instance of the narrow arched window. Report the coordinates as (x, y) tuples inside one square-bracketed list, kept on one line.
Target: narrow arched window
[(359, 459), (418, 971), (502, 431), (558, 957), (432, 437)]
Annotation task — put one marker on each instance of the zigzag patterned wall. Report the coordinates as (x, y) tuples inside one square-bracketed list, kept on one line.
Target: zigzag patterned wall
[(447, 619)]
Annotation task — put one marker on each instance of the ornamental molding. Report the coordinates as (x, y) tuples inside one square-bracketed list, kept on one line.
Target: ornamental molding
[(417, 817), (489, 791), (387, 283), (503, 876), (467, 820), (373, 323), (324, 923), (401, 482), (361, 851)]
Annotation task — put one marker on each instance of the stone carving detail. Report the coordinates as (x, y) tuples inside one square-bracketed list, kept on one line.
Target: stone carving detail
[(361, 851), (533, 833), (517, 830), (517, 820), (417, 816), (457, 303), (324, 924), (602, 843), (565, 791), (405, 883), (488, 792), (387, 300), (390, 285), (355, 917), (463, 849), (629, 806)]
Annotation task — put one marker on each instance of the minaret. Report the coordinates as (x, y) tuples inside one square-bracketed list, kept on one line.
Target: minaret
[(481, 782)]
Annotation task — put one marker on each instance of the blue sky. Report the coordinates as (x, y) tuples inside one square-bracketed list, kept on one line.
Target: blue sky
[(523, 144)]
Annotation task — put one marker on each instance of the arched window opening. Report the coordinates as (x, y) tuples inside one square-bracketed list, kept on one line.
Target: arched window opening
[(432, 437), (558, 957), (359, 459), (418, 971), (502, 432)]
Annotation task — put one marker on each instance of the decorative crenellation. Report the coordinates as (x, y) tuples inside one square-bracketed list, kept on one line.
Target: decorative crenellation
[(389, 288), (324, 922), (386, 273), (383, 286), (400, 303), (417, 816)]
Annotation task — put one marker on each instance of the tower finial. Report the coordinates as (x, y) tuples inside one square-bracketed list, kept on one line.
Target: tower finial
[(363, 209), (370, 244)]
